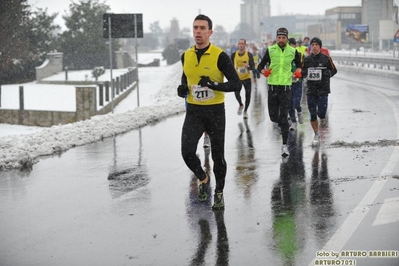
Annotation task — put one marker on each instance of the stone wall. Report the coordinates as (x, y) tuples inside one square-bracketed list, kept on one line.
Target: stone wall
[(86, 102), (52, 65), (86, 107), (36, 118)]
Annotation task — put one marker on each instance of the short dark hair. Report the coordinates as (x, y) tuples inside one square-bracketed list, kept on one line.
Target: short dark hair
[(203, 17), (291, 41)]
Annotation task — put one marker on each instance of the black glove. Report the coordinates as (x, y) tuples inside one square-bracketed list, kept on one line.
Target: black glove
[(256, 73), (182, 91), (205, 81)]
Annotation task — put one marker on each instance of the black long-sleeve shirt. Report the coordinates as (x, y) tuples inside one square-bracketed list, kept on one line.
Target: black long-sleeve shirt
[(325, 65)]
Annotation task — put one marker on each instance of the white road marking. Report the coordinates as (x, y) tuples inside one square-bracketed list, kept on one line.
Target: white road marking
[(389, 212), (339, 239)]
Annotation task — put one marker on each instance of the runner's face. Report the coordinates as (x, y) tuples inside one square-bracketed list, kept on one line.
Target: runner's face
[(315, 48), (201, 33), (282, 40), (241, 46)]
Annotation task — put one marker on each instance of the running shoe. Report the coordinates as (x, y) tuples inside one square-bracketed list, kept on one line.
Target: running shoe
[(293, 126), (245, 115), (240, 108), (316, 139), (207, 141), (284, 151), (300, 118), (203, 190), (218, 201), (323, 122)]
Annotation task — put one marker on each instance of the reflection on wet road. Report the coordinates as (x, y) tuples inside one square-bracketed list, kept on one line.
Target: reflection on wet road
[(288, 200), (131, 200), (245, 175)]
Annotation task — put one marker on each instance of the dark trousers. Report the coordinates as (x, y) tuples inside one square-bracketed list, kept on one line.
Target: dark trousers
[(317, 105), (296, 89), (247, 83), (212, 120), (278, 103)]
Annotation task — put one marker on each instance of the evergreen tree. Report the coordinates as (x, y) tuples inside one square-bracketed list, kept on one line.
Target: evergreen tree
[(82, 43), (43, 33), (25, 38), (14, 42)]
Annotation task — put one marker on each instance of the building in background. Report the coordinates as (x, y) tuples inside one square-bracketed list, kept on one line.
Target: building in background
[(371, 25), (333, 28), (297, 25), (379, 15), (253, 12)]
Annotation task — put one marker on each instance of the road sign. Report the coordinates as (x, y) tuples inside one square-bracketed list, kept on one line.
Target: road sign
[(396, 36), (123, 25)]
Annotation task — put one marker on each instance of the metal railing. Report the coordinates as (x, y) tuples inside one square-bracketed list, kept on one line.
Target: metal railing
[(369, 62)]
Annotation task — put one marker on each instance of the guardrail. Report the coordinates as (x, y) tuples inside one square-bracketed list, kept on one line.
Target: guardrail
[(369, 62)]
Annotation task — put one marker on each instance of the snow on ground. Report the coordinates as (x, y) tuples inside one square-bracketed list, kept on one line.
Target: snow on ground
[(47, 97), (20, 146), (42, 97)]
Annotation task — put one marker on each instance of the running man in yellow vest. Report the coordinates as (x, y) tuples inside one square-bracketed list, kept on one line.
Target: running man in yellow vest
[(279, 58), (255, 53), (244, 64), (302, 49), (204, 68)]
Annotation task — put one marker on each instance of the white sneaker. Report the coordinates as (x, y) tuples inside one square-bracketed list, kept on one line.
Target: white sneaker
[(300, 118), (293, 126), (316, 139), (323, 122), (284, 151), (207, 142), (245, 115), (239, 112)]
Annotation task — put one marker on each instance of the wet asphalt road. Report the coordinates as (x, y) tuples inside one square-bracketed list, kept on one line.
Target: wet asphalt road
[(130, 200)]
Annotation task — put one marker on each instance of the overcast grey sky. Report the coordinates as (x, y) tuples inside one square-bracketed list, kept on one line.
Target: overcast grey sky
[(222, 12)]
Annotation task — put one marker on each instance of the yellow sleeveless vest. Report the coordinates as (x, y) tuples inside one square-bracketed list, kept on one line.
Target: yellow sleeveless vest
[(239, 62), (206, 67)]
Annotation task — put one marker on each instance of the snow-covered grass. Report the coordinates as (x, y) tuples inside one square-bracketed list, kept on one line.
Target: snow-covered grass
[(21, 146), (42, 97)]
